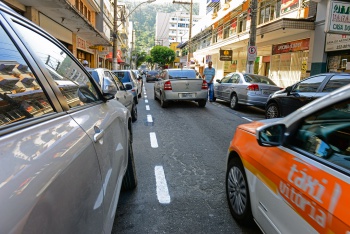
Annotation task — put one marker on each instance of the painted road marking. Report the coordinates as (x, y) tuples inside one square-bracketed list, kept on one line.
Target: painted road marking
[(146, 101), (162, 187), (247, 119), (154, 143), (149, 119), (147, 107)]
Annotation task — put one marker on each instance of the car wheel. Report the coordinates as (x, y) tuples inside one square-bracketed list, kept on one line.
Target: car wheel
[(134, 112), (234, 102), (202, 103), (130, 179), (136, 100), (272, 111), (163, 103), (237, 192)]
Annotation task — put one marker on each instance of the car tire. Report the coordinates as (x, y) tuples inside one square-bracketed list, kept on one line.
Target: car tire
[(237, 192), (136, 100), (202, 103), (272, 111), (234, 102), (163, 103), (134, 112), (130, 179)]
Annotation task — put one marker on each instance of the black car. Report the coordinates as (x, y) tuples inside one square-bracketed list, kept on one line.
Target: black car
[(152, 75), (284, 102)]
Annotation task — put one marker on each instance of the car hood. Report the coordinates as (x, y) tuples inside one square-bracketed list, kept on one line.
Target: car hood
[(251, 127)]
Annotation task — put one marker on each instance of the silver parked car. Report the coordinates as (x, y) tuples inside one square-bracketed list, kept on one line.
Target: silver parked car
[(66, 147), (129, 77), (180, 85), (244, 89), (111, 84)]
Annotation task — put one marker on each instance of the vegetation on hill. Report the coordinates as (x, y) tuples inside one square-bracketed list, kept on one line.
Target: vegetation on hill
[(144, 19)]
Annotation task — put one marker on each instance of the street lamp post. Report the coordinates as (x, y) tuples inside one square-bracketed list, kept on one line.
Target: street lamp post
[(115, 30)]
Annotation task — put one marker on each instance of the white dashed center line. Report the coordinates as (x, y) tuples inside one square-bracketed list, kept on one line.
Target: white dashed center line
[(154, 143), (147, 107), (149, 119), (146, 101), (162, 187)]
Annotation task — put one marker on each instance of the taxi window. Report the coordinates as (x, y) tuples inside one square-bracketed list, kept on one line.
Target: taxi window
[(72, 81), (21, 94), (326, 134)]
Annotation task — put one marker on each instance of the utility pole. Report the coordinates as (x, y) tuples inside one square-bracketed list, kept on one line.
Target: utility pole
[(115, 37), (189, 31), (252, 33)]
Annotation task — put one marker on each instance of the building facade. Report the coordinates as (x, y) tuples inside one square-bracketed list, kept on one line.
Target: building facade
[(173, 27), (285, 38)]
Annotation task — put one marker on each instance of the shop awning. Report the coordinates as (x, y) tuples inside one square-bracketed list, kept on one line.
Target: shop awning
[(109, 56)]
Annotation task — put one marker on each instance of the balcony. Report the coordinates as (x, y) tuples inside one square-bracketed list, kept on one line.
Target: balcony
[(212, 3)]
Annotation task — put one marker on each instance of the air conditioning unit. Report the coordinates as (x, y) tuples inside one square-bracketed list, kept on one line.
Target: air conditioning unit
[(226, 6)]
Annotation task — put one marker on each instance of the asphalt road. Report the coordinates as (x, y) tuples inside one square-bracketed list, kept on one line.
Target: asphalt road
[(180, 156)]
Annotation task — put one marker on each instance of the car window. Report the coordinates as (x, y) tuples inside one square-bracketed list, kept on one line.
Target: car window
[(336, 82), (326, 134), (226, 78), (72, 81), (309, 85), (21, 94), (120, 85), (182, 74), (94, 75), (258, 79), (235, 79), (124, 76)]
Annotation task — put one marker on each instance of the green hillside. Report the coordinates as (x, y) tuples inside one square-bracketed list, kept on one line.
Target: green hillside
[(144, 18)]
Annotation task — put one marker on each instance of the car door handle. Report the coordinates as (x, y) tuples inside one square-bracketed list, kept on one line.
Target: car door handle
[(98, 134)]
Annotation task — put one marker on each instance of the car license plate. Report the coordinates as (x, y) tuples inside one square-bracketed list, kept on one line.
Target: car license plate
[(187, 95)]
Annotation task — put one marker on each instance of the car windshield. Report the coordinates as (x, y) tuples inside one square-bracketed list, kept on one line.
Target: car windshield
[(95, 76), (182, 74), (258, 79), (152, 72), (123, 76)]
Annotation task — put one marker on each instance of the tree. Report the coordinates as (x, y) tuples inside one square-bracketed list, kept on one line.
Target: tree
[(139, 57), (149, 60), (162, 55)]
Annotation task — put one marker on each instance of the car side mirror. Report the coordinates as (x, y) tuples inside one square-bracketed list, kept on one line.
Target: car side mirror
[(128, 86), (218, 80), (108, 87), (271, 135), (289, 89)]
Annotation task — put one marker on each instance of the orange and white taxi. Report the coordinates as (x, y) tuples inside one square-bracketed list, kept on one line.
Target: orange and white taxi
[(292, 175)]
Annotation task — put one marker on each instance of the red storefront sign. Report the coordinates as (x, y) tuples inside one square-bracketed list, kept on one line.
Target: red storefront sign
[(292, 46)]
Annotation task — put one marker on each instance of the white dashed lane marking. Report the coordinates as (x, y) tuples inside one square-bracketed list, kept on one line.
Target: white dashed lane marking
[(154, 143), (162, 187), (149, 119)]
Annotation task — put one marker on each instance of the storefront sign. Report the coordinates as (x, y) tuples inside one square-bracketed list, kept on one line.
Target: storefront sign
[(225, 55), (84, 45), (289, 5), (293, 46), (335, 42), (338, 17)]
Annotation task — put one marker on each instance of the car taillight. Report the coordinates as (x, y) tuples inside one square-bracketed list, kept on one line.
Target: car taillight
[(204, 85), (253, 87), (167, 85)]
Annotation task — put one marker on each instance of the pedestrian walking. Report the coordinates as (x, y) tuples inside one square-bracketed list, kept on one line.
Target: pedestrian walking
[(85, 63), (208, 75)]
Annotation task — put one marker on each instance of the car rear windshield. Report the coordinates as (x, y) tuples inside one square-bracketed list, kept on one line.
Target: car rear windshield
[(123, 76), (258, 79), (152, 72), (182, 74)]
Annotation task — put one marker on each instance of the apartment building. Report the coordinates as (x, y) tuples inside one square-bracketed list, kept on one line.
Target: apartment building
[(294, 39), (173, 27)]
